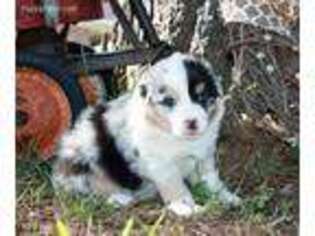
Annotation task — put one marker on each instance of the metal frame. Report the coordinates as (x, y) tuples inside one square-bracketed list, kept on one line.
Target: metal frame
[(141, 54)]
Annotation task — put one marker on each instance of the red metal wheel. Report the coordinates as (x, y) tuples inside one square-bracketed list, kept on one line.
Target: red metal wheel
[(43, 111)]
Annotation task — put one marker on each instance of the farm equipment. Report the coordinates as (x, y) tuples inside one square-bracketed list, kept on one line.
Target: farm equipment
[(49, 95)]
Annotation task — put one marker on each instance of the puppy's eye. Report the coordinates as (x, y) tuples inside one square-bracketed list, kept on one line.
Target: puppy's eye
[(168, 102)]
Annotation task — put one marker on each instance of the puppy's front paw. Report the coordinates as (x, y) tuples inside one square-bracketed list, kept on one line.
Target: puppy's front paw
[(182, 208)]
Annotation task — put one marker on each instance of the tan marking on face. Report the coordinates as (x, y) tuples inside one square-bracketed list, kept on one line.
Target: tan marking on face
[(153, 117), (200, 88)]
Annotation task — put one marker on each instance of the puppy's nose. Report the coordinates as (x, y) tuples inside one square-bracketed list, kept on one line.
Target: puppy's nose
[(191, 124)]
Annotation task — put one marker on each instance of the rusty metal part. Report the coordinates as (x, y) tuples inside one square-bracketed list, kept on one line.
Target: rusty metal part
[(96, 62), (43, 111), (89, 89)]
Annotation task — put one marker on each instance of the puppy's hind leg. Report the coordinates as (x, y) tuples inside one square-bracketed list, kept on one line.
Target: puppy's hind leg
[(71, 177)]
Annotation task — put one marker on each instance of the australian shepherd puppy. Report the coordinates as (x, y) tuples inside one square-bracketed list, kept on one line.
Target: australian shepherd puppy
[(157, 139)]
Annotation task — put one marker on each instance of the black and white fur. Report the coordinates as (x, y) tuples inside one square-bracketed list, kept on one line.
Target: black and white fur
[(150, 141)]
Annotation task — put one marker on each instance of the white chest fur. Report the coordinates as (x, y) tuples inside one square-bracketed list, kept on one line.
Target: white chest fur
[(158, 150)]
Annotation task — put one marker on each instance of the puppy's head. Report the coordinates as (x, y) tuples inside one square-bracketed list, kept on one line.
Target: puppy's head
[(180, 95)]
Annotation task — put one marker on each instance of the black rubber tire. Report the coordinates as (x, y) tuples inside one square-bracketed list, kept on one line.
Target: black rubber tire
[(54, 66)]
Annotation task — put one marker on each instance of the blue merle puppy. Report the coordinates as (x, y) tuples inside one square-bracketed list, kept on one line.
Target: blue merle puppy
[(150, 141)]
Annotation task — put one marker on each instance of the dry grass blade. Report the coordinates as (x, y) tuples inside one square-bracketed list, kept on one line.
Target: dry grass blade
[(128, 227)]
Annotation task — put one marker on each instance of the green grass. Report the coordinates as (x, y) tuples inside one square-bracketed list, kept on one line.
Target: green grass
[(34, 188), (84, 207), (262, 206)]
